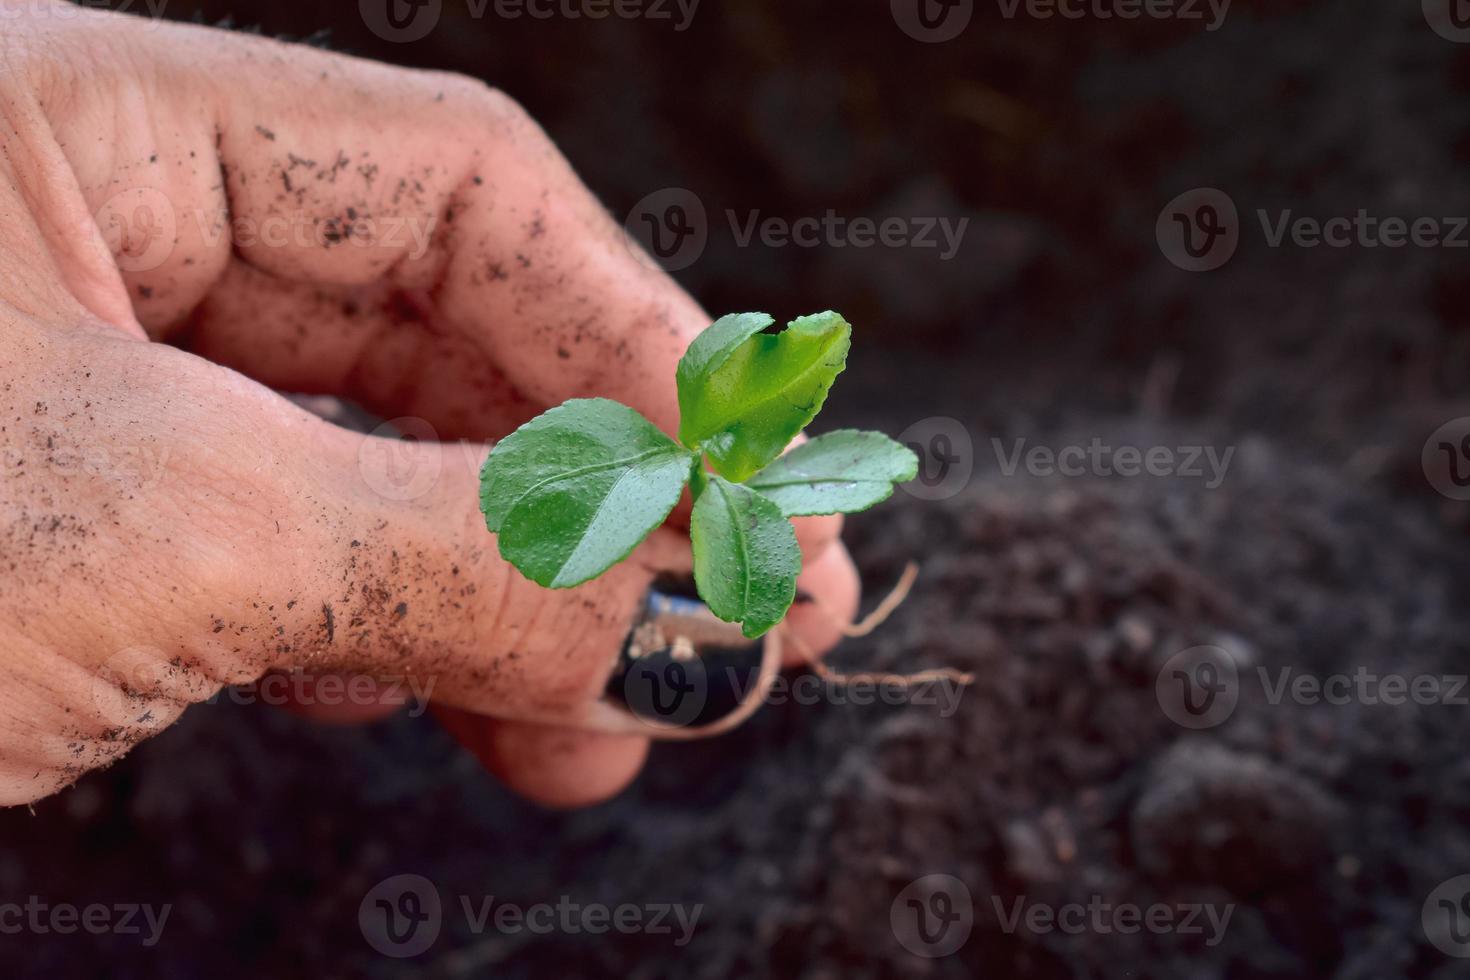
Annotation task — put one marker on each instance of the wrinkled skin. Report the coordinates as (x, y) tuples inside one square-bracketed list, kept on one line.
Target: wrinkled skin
[(191, 220)]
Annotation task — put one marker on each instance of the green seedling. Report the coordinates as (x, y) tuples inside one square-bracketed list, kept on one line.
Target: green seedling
[(572, 492)]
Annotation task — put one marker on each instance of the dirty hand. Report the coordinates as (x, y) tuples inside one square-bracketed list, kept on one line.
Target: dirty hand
[(291, 219)]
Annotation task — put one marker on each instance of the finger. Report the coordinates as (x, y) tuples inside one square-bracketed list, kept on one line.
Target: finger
[(314, 168), (816, 534), (58, 265), (371, 344), (828, 591), (555, 767)]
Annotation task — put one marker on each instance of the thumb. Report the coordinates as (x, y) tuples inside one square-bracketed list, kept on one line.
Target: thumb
[(401, 579), (270, 540), (428, 595)]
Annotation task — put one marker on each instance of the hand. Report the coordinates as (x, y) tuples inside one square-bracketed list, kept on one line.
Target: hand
[(291, 219)]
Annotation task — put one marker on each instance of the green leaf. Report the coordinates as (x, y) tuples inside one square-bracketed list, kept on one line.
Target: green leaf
[(841, 472), (744, 395), (572, 492), (745, 556), (706, 353)]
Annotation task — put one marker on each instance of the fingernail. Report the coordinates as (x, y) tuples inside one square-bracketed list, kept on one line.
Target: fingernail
[(681, 666)]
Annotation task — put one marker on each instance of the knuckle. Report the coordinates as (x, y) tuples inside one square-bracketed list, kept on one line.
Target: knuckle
[(490, 108)]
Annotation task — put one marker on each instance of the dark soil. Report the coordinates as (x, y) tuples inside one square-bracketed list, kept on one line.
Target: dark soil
[(1060, 778)]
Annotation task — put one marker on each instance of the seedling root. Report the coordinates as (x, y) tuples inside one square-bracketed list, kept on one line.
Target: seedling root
[(895, 598)]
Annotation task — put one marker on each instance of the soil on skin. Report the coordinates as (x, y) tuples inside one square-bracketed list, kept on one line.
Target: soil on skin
[(1059, 778)]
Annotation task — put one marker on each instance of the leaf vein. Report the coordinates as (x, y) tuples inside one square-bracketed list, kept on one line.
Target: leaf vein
[(743, 552), (591, 468)]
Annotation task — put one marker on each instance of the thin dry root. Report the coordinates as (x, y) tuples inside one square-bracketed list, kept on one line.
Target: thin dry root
[(872, 621), (878, 616)]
